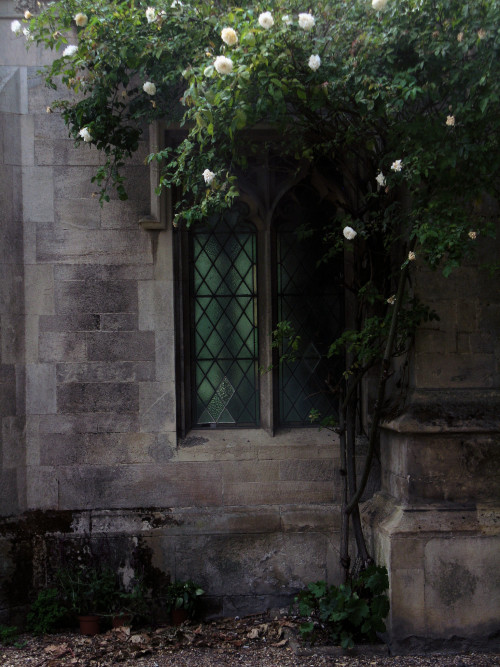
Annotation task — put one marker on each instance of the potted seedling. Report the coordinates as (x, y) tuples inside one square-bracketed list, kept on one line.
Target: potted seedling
[(88, 592), (182, 600)]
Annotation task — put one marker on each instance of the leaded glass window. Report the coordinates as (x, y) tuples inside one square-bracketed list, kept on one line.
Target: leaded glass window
[(224, 322)]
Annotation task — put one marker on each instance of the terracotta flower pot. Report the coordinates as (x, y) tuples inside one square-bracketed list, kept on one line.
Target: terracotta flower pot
[(121, 620), (179, 616), (89, 625)]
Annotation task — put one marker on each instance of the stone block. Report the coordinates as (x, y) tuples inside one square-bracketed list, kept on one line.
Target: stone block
[(223, 521), (461, 595), (58, 150), (97, 296), (78, 397), (12, 78), (12, 334), (156, 305), (42, 488), (436, 371), (310, 518), (13, 442), (31, 339), (101, 371), (77, 213), (7, 192), (283, 493), (17, 139), (119, 322), (11, 285), (62, 346), (165, 355), (89, 449), (103, 272), (168, 485), (11, 252), (9, 501), (89, 423), (40, 97), (38, 194), (314, 471), (70, 321), (407, 598), (235, 472), (40, 389), (117, 214), (123, 247), (467, 315), (32, 440), (75, 182), (157, 407), (257, 564), (39, 289), (121, 346)]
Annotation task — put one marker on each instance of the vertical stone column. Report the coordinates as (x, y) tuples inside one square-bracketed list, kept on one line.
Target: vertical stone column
[(436, 522)]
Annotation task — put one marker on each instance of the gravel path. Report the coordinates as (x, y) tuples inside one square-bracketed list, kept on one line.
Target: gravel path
[(256, 641)]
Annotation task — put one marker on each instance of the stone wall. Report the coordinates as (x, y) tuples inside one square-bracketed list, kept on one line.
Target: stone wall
[(88, 352)]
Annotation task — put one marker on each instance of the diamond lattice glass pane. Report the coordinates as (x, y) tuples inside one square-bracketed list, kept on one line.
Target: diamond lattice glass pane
[(224, 339), (311, 301)]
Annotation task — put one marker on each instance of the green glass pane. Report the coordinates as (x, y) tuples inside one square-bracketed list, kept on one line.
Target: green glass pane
[(308, 298), (224, 337)]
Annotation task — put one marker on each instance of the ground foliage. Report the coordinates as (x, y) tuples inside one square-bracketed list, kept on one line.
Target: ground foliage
[(267, 640)]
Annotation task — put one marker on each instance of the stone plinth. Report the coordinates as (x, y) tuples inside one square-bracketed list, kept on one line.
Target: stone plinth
[(436, 522)]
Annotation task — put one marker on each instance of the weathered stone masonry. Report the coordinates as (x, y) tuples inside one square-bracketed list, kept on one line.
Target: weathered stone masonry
[(88, 411)]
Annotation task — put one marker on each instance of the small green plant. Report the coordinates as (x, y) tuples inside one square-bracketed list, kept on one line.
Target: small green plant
[(350, 613), (88, 590), (48, 612), (183, 595), (134, 601), (8, 634)]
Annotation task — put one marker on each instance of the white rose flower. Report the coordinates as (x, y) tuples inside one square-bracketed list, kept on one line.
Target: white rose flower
[(81, 20), (287, 20), (450, 120), (27, 15), (473, 235), (380, 179), (411, 256), (70, 50), (223, 65), (149, 88), (16, 27), (151, 14), (397, 165), (266, 20), (314, 62), (176, 3), (391, 300), (349, 233), (306, 21), (208, 176), (229, 36), (379, 4), (27, 34), (85, 134)]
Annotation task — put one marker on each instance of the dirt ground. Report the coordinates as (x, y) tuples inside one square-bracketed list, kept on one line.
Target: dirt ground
[(258, 640)]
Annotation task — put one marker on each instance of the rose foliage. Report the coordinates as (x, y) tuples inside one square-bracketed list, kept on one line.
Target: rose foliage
[(392, 106)]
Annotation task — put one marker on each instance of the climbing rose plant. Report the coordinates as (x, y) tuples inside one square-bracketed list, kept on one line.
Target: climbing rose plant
[(393, 105)]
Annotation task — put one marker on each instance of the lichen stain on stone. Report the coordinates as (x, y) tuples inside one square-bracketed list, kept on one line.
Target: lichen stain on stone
[(193, 441), (454, 583)]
